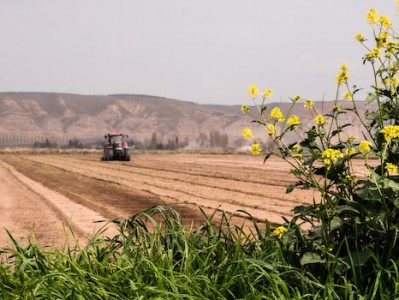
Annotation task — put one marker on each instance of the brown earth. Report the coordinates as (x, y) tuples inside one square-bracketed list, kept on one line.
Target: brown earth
[(52, 193)]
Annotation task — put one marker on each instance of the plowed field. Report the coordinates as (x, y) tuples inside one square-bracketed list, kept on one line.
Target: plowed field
[(49, 191)]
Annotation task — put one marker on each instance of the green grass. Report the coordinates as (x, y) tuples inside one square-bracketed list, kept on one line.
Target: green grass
[(155, 256)]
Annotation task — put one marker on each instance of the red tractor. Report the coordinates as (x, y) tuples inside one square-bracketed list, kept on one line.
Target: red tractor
[(116, 147)]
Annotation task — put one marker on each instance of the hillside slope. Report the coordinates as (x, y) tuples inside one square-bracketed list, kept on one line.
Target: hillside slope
[(26, 118)]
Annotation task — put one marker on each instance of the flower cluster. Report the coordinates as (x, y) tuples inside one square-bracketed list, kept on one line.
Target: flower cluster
[(309, 103), (342, 77), (267, 93), (276, 115), (255, 147), (294, 120), (245, 109), (320, 120), (365, 147), (330, 156), (390, 132), (247, 133), (391, 168), (253, 90), (296, 151), (280, 232)]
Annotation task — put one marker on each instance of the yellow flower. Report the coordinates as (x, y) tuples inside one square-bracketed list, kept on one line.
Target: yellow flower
[(255, 149), (296, 148), (296, 98), (308, 104), (330, 156), (276, 114), (350, 177), (382, 40), (375, 53), (359, 37), (372, 16), (293, 120), (350, 151), (253, 90), (245, 109), (347, 95), (389, 48), (351, 139), (271, 129), (336, 108), (280, 231), (390, 132), (365, 147), (385, 21), (247, 133), (391, 168), (320, 120), (395, 82), (267, 93), (296, 151), (342, 77)]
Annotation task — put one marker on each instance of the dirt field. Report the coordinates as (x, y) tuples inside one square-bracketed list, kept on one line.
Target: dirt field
[(52, 192)]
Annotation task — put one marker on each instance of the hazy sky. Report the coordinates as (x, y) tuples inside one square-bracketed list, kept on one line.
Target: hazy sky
[(204, 51)]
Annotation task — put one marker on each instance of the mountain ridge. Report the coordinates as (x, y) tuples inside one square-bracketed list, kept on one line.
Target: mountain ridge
[(29, 117)]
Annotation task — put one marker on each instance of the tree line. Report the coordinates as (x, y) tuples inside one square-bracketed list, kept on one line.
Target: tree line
[(214, 139)]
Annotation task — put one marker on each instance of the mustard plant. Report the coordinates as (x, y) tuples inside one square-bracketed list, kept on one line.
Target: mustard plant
[(351, 229)]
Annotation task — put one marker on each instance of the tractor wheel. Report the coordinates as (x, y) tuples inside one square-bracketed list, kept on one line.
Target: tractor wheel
[(109, 154), (127, 155)]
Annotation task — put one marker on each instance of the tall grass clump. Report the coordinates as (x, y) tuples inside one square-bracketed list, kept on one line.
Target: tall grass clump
[(350, 245), (154, 256)]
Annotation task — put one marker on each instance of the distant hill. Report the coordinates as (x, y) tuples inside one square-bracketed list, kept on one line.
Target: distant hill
[(26, 118)]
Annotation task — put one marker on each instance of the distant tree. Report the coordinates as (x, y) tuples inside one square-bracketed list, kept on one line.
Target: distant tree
[(154, 141), (75, 143), (46, 144), (202, 140), (217, 139)]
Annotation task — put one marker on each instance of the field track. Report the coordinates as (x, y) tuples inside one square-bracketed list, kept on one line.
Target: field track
[(49, 191)]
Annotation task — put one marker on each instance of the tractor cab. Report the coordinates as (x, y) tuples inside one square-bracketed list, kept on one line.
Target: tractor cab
[(116, 147)]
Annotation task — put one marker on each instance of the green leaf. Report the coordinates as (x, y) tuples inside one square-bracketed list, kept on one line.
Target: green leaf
[(267, 157), (371, 98), (369, 193), (359, 258), (391, 184), (311, 258), (316, 233), (335, 223), (395, 147), (262, 110), (335, 132), (289, 189), (262, 264), (346, 208)]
